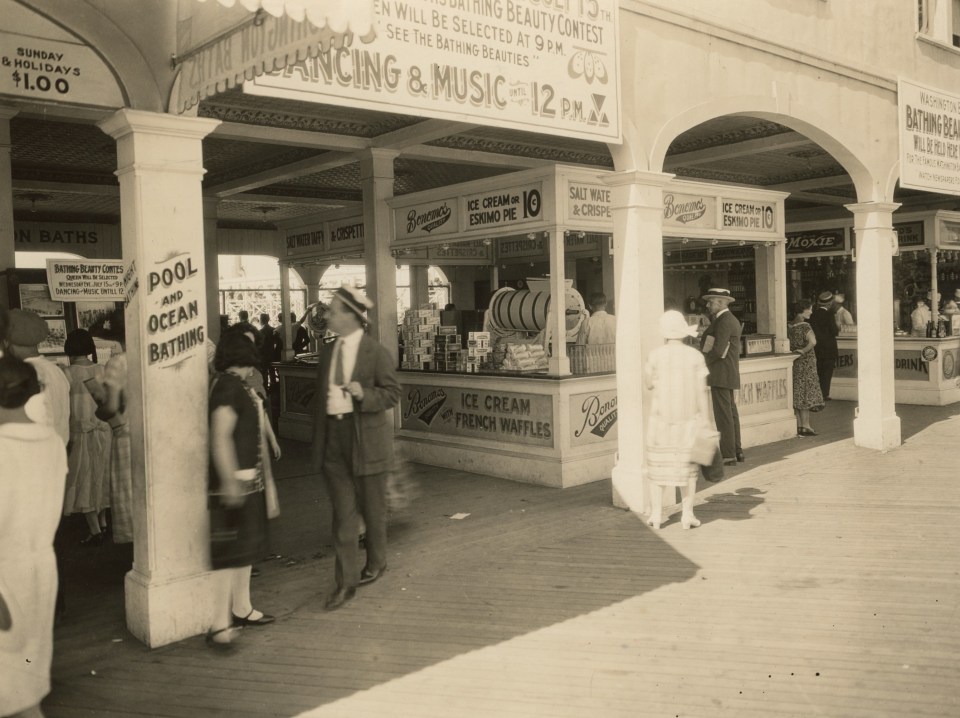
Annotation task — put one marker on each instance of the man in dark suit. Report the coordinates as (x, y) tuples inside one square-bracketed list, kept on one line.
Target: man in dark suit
[(823, 321), (353, 440), (720, 345), (268, 338)]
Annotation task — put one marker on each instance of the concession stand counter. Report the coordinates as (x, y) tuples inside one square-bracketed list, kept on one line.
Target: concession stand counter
[(927, 265), (540, 425), (722, 236), (464, 405)]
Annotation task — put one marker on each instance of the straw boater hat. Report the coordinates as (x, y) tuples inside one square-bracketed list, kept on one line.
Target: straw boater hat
[(674, 326), (718, 293), (353, 299), (27, 329), (825, 297)]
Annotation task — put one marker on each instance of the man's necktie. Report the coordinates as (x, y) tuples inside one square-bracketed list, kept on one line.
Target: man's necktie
[(338, 378)]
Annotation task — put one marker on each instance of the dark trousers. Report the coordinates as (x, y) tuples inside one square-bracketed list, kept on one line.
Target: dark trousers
[(351, 495), (825, 372), (728, 421)]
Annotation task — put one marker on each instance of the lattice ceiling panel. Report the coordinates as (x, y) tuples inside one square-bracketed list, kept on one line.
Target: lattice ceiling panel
[(62, 152), (254, 214), (234, 106), (29, 206)]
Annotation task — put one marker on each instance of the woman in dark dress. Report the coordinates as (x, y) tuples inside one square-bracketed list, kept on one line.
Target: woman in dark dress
[(807, 396), (238, 512)]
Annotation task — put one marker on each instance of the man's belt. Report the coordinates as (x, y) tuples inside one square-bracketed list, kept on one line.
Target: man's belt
[(339, 417)]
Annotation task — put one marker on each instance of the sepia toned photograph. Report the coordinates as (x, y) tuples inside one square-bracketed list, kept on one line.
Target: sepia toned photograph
[(53, 344), (36, 298), (481, 359), (92, 315)]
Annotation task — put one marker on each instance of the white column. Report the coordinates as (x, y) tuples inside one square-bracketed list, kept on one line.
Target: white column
[(311, 275), (169, 590), (606, 268), (6, 194), (638, 283), (876, 425), (211, 265), (771, 273), (287, 326), (419, 290), (559, 361), (376, 180)]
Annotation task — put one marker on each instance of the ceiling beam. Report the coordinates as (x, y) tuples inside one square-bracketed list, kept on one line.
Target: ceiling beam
[(822, 198), (102, 190), (842, 180), (268, 199), (420, 133), (471, 157), (734, 150), (312, 165), (292, 138)]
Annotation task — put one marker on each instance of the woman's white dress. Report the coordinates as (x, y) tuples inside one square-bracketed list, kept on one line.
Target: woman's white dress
[(678, 375), (32, 476), (88, 484)]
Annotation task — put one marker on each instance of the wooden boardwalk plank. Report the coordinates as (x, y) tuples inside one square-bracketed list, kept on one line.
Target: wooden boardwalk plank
[(825, 580)]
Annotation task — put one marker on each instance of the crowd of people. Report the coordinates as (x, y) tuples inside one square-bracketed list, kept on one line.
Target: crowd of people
[(694, 425), (69, 423), (66, 450)]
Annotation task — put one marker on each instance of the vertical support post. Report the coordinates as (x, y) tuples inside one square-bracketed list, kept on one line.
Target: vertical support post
[(638, 252), (169, 591), (376, 180), (287, 326), (211, 265), (771, 273), (559, 361), (7, 239), (419, 292), (606, 268), (876, 425)]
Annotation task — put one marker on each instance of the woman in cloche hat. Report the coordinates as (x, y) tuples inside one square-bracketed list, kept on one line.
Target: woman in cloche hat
[(679, 415)]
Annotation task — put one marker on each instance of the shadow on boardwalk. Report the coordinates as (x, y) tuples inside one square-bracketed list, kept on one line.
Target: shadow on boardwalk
[(540, 602)]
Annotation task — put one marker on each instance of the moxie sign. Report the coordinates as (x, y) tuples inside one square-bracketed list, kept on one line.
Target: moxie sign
[(821, 240)]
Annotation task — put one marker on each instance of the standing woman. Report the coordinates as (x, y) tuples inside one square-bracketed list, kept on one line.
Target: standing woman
[(113, 411), (31, 496), (88, 478), (679, 413), (807, 395), (237, 502)]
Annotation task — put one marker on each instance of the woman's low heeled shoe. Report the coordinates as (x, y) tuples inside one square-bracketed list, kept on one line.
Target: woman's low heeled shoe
[(807, 432), (223, 639), (264, 619), (689, 522)]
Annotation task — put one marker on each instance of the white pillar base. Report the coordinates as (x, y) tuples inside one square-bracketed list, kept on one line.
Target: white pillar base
[(630, 477), (882, 434), (161, 611)]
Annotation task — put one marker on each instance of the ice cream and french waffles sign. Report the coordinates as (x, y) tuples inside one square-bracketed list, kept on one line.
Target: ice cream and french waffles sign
[(541, 65)]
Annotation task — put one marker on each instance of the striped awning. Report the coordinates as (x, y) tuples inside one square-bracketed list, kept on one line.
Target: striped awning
[(221, 43)]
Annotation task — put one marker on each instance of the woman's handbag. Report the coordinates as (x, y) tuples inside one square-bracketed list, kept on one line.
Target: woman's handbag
[(706, 444)]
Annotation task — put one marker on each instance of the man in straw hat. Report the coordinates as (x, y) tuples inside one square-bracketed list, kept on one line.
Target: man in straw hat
[(353, 440), (720, 345), (824, 324)]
